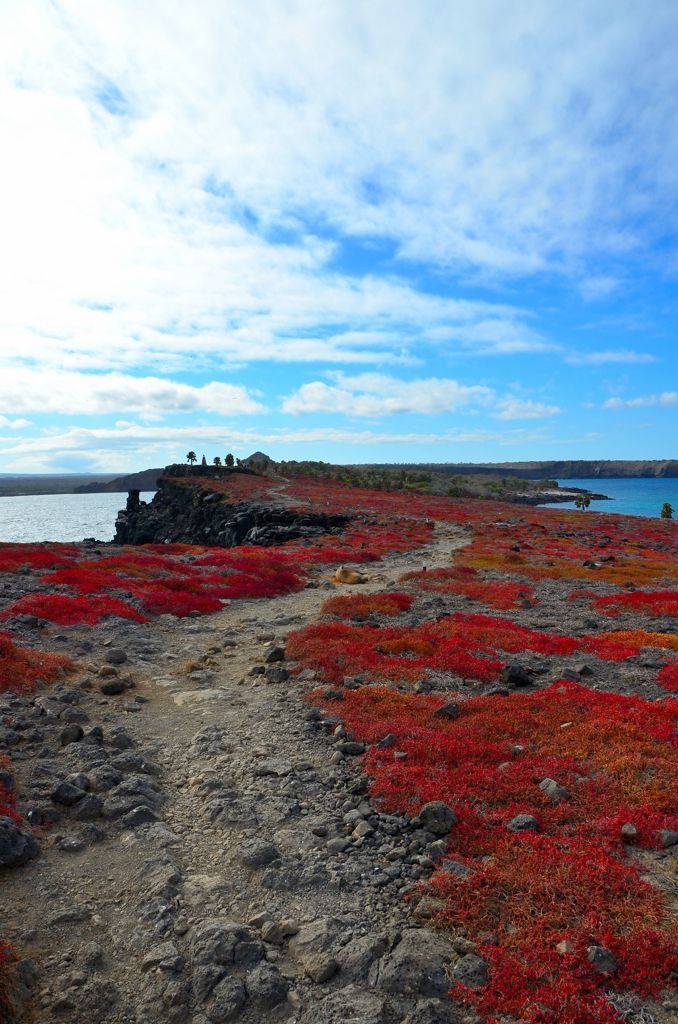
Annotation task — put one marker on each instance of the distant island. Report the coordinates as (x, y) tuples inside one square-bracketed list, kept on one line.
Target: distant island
[(567, 469)]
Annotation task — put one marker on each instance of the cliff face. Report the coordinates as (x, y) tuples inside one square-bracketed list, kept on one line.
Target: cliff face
[(190, 515)]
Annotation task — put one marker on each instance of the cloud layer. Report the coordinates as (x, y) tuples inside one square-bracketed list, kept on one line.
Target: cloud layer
[(372, 211)]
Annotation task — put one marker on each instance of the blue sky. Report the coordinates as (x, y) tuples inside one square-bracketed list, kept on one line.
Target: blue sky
[(337, 230)]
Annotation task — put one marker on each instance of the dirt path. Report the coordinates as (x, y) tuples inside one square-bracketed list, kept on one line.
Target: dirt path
[(215, 858)]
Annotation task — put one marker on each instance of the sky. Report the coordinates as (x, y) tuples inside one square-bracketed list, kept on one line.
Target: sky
[(337, 230)]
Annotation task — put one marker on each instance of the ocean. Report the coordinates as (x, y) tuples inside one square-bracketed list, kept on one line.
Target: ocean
[(631, 497), (61, 517)]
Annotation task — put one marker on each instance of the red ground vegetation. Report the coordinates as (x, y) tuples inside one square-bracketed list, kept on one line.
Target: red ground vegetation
[(36, 556), (570, 881), (668, 677), (67, 611), (473, 646), (640, 602), (467, 582), (359, 606), (21, 668)]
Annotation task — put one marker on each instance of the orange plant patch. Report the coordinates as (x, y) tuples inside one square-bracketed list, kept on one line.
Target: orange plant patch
[(357, 606)]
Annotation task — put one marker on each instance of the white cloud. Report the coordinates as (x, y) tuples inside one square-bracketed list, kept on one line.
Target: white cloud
[(609, 356), (169, 182), (14, 424), (98, 394), (665, 400), (524, 409), (598, 287), (374, 395)]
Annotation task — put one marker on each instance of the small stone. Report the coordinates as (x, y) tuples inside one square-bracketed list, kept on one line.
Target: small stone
[(350, 747), (437, 817), (107, 672), (451, 711), (276, 653), (338, 845), (362, 829), (266, 986), (554, 791), (166, 956), (628, 832), (111, 687), (276, 674), (523, 823), (72, 733), (140, 815), (229, 1001), (453, 867), (273, 933), (16, 847), (320, 968), (257, 853), (565, 948), (116, 656), (602, 960), (668, 837), (514, 674), (66, 794), (388, 741), (471, 971)]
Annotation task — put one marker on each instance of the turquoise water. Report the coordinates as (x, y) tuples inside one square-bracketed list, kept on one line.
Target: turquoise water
[(60, 517), (636, 497)]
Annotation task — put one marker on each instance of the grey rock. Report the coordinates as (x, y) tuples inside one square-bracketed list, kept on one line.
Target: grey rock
[(668, 837), (16, 847), (453, 867), (318, 936), (357, 957), (514, 674), (451, 711), (602, 960), (418, 965), (266, 986), (72, 733), (350, 1005), (139, 815), (111, 687), (276, 653), (66, 794), (257, 853), (437, 817), (116, 656), (88, 808), (222, 942), (471, 971), (166, 956), (433, 1011), (554, 791), (523, 823), (320, 967), (276, 674), (205, 978), (228, 1002)]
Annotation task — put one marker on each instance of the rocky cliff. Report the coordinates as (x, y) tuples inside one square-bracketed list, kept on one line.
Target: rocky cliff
[(192, 515)]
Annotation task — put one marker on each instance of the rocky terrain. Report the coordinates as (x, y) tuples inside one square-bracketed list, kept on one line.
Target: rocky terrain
[(208, 852), (198, 841)]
